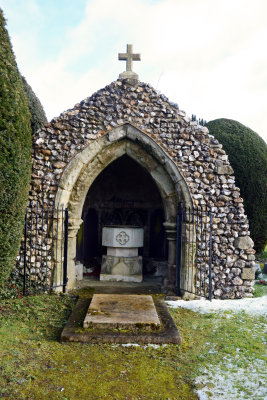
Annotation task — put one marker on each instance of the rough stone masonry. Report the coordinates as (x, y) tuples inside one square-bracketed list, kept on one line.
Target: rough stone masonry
[(198, 156)]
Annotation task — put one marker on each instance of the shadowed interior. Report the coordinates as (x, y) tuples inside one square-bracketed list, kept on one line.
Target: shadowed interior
[(123, 194)]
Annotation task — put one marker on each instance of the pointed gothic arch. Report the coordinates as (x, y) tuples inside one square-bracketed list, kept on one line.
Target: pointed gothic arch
[(84, 168)]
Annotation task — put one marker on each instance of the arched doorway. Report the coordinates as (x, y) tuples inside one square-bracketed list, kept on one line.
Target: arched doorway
[(86, 166), (124, 193)]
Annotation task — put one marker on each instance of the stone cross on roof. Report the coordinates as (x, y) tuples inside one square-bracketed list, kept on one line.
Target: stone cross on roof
[(129, 57)]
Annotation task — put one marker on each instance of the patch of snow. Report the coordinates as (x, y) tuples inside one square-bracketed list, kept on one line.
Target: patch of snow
[(223, 381), (255, 306), (145, 346), (155, 346), (202, 395), (226, 379)]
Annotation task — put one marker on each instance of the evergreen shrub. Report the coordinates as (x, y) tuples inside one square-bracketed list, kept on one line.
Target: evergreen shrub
[(38, 117), (15, 155), (248, 157)]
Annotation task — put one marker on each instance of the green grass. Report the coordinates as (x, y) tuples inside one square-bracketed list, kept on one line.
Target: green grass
[(260, 289), (34, 365)]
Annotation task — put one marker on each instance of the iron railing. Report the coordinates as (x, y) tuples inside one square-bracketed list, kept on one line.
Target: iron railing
[(44, 248), (194, 252), (43, 255)]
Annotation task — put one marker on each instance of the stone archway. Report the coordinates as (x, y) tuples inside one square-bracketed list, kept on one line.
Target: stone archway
[(83, 169), (124, 193)]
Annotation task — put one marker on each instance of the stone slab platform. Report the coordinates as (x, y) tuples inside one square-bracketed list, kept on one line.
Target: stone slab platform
[(74, 331), (121, 311), (153, 286)]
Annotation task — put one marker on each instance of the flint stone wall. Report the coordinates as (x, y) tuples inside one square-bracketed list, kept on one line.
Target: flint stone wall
[(198, 156)]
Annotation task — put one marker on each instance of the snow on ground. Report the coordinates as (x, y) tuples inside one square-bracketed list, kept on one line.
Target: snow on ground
[(154, 346), (226, 379), (255, 306), (232, 385)]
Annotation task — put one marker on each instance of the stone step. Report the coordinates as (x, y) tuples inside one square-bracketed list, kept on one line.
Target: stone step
[(121, 311)]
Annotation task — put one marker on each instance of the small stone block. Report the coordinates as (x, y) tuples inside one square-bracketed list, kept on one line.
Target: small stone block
[(125, 311), (120, 252), (243, 243), (121, 269), (224, 169), (248, 273), (121, 278)]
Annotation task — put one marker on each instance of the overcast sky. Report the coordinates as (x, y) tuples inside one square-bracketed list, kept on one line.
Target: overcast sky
[(209, 56)]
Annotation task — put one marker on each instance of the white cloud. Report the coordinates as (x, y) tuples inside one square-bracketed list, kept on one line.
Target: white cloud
[(208, 56)]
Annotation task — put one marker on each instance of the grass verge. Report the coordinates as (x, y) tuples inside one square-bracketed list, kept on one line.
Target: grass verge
[(34, 365)]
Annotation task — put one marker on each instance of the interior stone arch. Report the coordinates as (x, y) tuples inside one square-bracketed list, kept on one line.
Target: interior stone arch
[(124, 193), (88, 164)]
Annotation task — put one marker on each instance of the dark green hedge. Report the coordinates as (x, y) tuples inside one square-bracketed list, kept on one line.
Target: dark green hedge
[(248, 157), (15, 155), (38, 117)]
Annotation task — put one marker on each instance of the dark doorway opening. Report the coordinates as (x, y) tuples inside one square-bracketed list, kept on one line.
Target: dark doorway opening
[(123, 194)]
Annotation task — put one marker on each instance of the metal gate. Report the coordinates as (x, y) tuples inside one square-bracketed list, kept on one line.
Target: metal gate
[(194, 252), (44, 248)]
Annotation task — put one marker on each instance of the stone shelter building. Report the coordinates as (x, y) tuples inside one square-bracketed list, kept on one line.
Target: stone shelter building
[(127, 156)]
